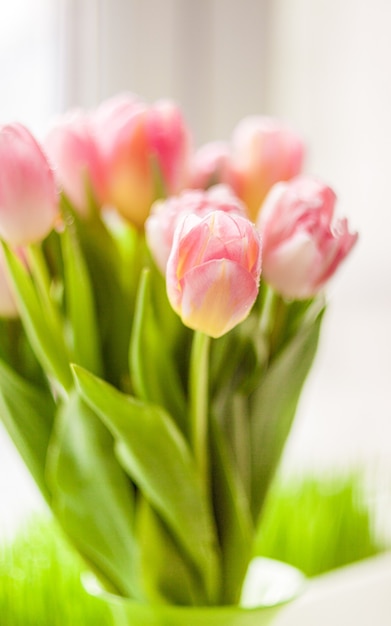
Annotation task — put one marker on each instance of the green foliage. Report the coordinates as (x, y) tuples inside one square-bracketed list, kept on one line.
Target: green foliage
[(318, 525), (157, 458), (315, 524), (151, 443), (40, 581)]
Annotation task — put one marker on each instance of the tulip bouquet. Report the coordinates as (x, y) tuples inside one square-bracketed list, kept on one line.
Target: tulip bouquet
[(149, 375)]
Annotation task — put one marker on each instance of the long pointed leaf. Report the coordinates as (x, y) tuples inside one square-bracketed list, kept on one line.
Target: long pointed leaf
[(147, 346), (48, 346), (233, 517), (156, 456), (168, 575), (27, 413), (273, 406), (93, 498), (80, 304)]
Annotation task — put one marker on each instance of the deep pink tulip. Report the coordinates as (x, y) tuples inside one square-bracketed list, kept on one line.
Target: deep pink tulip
[(213, 271), (166, 214), (71, 147), (303, 244), (28, 193), (264, 152), (145, 150)]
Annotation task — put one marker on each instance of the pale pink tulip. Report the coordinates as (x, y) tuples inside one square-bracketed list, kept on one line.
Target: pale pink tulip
[(303, 243), (166, 214), (213, 271), (71, 147), (28, 193), (145, 151), (264, 152), (211, 165)]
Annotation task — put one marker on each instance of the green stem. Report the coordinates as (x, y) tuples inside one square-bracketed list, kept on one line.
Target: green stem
[(41, 276), (266, 319), (199, 382)]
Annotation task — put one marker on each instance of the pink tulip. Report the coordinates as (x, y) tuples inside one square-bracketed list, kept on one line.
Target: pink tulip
[(71, 147), (303, 244), (211, 165), (264, 152), (213, 271), (166, 214), (145, 151), (28, 194)]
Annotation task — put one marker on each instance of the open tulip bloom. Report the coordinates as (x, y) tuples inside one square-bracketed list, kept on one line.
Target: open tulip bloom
[(149, 375)]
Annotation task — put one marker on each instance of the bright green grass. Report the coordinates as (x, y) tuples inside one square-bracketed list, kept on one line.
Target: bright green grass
[(318, 525), (315, 525)]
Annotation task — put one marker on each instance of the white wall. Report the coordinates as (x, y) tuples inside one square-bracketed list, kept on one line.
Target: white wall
[(331, 76)]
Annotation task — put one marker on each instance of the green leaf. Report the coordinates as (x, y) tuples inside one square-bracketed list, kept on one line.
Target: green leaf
[(154, 375), (114, 305), (80, 303), (233, 517), (93, 498), (273, 405), (27, 413), (49, 346), (156, 456), (168, 577)]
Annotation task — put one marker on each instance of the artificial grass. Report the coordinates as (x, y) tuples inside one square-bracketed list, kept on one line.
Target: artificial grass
[(316, 525)]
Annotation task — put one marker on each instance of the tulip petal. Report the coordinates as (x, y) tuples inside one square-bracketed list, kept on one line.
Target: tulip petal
[(216, 296)]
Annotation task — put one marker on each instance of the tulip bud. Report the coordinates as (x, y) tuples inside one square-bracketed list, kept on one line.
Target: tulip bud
[(264, 152), (72, 149), (28, 194), (303, 244), (145, 153), (211, 165), (213, 271), (166, 214)]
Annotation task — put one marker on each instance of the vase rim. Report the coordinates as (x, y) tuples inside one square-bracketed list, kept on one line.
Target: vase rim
[(269, 583)]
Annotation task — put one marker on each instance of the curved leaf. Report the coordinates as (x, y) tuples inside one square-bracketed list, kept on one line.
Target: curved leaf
[(80, 303), (159, 383), (93, 498), (233, 516), (48, 345), (273, 405), (28, 414), (156, 456)]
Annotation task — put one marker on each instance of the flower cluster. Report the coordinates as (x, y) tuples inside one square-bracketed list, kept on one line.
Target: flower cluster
[(136, 326), (127, 154)]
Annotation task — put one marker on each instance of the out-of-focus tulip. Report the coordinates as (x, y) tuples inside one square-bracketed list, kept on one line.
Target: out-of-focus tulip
[(28, 193), (213, 271), (264, 152), (166, 214), (303, 244), (8, 306), (145, 151), (71, 147), (211, 165)]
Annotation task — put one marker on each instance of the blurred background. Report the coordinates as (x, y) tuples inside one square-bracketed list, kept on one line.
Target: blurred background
[(324, 67)]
